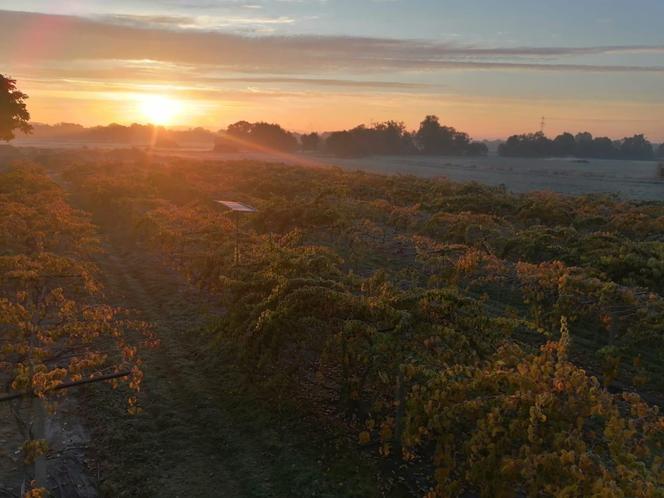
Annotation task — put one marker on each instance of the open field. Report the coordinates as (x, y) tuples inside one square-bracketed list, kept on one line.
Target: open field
[(638, 180)]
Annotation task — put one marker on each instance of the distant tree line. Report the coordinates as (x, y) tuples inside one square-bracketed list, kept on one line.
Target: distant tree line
[(582, 145), (132, 134), (261, 134), (386, 138), (392, 138)]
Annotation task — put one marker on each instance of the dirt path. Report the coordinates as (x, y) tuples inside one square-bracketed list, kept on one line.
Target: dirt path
[(199, 435)]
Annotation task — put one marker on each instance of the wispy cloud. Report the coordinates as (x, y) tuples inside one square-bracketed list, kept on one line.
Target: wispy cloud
[(149, 72), (202, 23), (30, 38), (323, 82)]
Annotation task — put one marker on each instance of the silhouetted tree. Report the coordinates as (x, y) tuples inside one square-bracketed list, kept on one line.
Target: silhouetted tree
[(434, 139), (636, 147), (14, 114), (268, 135), (135, 133), (460, 140), (584, 144), (310, 141), (564, 145), (392, 138), (408, 143), (387, 138), (241, 129), (476, 149), (660, 151), (581, 145), (527, 145), (273, 136), (346, 144), (428, 136), (603, 148)]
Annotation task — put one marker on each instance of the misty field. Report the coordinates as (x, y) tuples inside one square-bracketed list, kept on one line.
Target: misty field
[(636, 180)]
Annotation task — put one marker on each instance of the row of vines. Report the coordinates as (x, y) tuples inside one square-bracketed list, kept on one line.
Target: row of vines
[(55, 331), (493, 342)]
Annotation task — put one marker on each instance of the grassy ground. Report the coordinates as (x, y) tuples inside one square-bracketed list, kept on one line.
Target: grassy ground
[(200, 433)]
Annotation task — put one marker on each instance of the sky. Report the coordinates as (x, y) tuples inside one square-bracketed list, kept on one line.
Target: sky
[(488, 67)]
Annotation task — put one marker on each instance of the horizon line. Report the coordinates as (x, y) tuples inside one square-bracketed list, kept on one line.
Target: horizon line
[(176, 128)]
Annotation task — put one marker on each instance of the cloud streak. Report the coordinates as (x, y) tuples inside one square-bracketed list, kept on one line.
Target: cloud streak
[(35, 38), (152, 73), (199, 23)]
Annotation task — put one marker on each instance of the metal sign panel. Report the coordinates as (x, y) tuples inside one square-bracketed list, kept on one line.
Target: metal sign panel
[(237, 206)]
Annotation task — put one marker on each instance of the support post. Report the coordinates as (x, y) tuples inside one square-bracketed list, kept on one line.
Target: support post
[(39, 432), (237, 238)]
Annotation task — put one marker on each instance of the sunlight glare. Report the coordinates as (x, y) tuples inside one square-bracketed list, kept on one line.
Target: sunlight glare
[(159, 110)]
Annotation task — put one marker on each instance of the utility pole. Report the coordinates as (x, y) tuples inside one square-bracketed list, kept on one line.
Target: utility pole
[(542, 125)]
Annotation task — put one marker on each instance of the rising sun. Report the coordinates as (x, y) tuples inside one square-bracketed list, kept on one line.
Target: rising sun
[(159, 110)]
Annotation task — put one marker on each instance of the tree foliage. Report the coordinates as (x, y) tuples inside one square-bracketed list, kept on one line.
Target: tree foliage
[(582, 145), (310, 141), (434, 139), (264, 135), (392, 138), (14, 113)]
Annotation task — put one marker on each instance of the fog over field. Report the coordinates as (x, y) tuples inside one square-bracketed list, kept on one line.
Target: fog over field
[(636, 180)]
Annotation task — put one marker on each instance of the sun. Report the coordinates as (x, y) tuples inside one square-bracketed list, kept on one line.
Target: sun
[(159, 110)]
